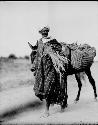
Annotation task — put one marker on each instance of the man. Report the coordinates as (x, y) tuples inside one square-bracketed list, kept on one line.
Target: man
[(50, 81)]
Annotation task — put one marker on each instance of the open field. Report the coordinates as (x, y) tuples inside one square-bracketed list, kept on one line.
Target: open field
[(15, 73), (18, 104)]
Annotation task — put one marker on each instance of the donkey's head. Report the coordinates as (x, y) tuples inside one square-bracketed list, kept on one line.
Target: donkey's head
[(33, 55)]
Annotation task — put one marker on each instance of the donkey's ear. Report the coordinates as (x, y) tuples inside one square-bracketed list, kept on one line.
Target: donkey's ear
[(32, 47)]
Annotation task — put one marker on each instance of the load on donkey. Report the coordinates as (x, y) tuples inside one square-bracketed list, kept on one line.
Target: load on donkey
[(81, 59), (52, 65)]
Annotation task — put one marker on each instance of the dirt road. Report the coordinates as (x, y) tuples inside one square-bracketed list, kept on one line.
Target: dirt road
[(19, 105)]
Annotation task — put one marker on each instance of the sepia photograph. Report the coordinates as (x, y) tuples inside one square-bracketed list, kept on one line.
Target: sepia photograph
[(48, 62)]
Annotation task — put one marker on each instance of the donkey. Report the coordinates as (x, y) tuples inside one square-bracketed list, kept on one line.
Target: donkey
[(72, 69)]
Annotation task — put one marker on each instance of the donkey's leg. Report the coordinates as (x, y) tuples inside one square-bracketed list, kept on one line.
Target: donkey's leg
[(92, 81), (64, 92), (79, 86)]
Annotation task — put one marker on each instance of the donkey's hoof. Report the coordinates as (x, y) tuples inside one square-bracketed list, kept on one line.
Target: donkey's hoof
[(96, 99), (75, 101), (62, 110)]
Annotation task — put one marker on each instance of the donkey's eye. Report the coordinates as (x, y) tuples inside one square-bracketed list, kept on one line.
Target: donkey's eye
[(34, 52), (33, 55)]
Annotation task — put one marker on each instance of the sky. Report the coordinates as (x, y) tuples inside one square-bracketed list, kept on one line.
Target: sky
[(69, 21)]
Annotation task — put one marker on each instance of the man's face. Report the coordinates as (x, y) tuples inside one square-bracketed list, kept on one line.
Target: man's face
[(45, 33)]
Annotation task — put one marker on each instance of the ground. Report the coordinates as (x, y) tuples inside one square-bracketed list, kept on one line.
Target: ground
[(19, 105)]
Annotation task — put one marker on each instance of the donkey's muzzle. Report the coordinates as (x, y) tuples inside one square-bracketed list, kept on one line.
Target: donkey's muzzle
[(32, 69)]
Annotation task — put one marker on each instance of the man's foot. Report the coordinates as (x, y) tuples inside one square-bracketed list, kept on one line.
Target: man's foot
[(45, 115)]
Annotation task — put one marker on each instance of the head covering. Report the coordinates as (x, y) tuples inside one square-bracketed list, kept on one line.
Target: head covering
[(44, 29)]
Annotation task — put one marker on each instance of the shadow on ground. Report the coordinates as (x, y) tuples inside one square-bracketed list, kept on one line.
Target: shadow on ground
[(12, 113)]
